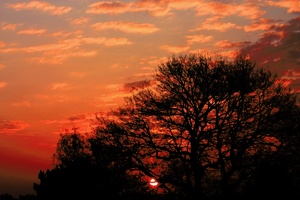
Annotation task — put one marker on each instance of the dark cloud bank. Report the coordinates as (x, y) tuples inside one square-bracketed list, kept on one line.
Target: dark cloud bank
[(279, 50)]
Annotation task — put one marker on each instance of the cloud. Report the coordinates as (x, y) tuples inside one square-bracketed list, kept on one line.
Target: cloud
[(3, 84), (2, 44), (41, 6), (127, 27), (116, 93), (81, 20), (77, 117), (132, 86), (10, 127), (63, 34), (174, 49), (107, 41), (77, 74), (1, 65), (59, 86), (165, 8), (32, 31), (248, 10), (214, 23), (229, 54), (57, 53), (191, 39), (81, 123), (278, 49), (58, 57), (107, 7), (291, 75), (10, 27), (119, 65), (261, 25), (21, 104), (293, 6), (227, 44)]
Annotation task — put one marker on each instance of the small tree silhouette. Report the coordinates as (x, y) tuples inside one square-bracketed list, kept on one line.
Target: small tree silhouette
[(86, 169)]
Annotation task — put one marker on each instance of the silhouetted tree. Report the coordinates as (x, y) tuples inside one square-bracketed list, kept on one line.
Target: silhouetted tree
[(86, 169), (206, 126), (7, 196), (28, 197)]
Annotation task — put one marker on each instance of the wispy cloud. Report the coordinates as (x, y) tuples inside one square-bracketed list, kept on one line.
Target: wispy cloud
[(215, 8), (10, 27), (21, 104), (191, 39), (293, 6), (166, 8), (291, 75), (1, 65), (57, 53), (3, 84), (41, 6), (12, 126), (174, 49), (127, 27), (32, 31), (81, 20), (59, 86), (81, 123), (215, 23), (2, 44), (261, 25), (107, 7), (77, 74), (107, 41), (227, 44), (131, 86)]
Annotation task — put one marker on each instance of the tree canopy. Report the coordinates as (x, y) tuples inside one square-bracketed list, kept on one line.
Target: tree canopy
[(204, 127), (206, 124)]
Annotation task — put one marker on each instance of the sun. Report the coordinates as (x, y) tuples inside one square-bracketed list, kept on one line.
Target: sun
[(153, 182)]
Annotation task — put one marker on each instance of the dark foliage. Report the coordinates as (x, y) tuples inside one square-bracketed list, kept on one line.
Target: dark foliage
[(7, 196), (86, 169)]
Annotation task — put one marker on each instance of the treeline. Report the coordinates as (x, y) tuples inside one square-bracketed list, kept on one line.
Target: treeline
[(7, 196), (204, 128)]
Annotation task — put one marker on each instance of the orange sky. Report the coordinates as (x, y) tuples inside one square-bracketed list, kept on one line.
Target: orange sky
[(63, 61)]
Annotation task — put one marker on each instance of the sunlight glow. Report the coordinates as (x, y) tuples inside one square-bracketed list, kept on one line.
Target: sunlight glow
[(153, 182)]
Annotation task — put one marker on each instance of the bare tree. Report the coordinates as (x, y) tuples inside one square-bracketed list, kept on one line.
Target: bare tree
[(205, 125)]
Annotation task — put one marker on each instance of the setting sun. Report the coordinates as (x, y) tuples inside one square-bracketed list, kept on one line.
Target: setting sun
[(153, 182)]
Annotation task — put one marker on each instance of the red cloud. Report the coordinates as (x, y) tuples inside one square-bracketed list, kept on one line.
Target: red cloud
[(227, 44), (42, 6), (10, 27), (129, 87), (128, 27), (32, 31), (175, 49), (293, 6), (214, 23), (11, 127), (109, 8), (278, 50), (261, 24), (191, 39)]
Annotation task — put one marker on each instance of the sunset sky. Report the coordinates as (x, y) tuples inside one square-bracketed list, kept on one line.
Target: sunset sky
[(63, 61)]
